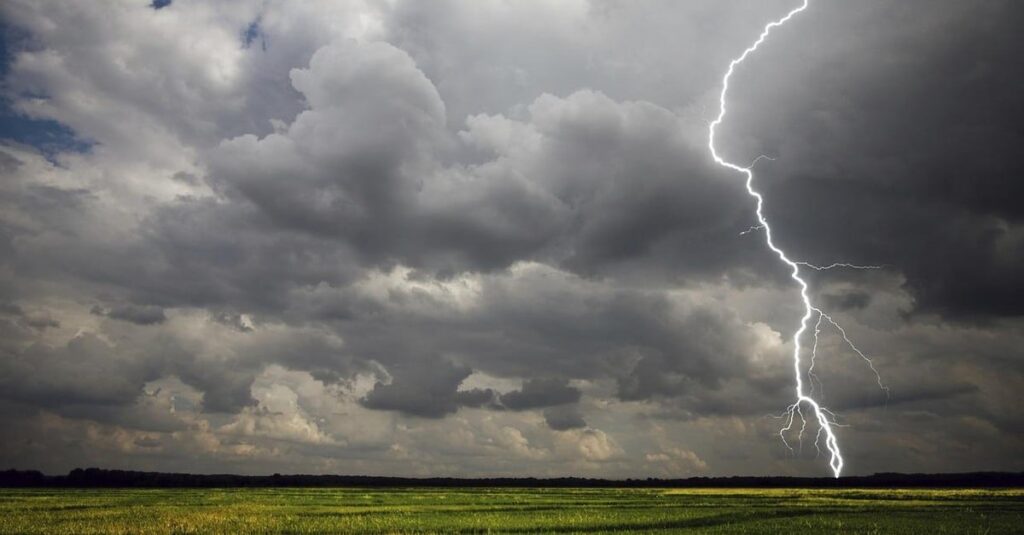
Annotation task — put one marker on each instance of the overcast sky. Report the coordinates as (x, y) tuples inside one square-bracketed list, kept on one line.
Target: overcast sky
[(476, 238)]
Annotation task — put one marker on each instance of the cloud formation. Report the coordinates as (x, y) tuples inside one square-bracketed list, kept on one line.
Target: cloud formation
[(333, 237)]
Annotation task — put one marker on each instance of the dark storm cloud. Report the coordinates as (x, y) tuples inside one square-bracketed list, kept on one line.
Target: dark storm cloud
[(906, 154), (846, 300), (638, 189), (427, 388), (371, 114), (80, 372), (584, 180), (358, 180), (91, 371), (545, 322), (539, 393), (700, 352), (139, 315), (205, 253), (226, 387), (600, 192)]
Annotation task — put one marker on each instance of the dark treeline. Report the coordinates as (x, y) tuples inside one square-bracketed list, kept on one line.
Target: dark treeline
[(96, 477)]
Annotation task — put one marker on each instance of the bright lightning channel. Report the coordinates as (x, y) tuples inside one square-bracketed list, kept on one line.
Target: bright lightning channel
[(825, 418)]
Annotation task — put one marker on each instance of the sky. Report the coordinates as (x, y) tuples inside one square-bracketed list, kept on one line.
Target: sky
[(486, 238)]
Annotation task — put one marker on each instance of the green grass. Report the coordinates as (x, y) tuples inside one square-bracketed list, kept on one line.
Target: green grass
[(491, 510)]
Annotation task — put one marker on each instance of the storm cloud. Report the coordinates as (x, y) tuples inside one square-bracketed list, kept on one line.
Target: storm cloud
[(486, 238)]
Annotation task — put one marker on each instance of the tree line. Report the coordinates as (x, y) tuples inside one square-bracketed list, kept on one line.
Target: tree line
[(97, 477)]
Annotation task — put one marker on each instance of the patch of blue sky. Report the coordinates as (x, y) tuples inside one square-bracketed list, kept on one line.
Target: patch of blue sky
[(252, 33), (47, 136)]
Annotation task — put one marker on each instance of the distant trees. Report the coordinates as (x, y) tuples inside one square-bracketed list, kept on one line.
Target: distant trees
[(97, 477)]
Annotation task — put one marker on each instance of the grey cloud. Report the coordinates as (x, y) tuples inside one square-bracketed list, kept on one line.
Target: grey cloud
[(146, 114), (186, 178), (639, 189), (139, 415), (846, 300), (224, 388), (371, 120), (233, 320), (663, 52), (9, 163), (543, 322), (139, 315), (226, 257), (598, 193), (476, 398), (89, 371), (147, 442), (19, 316), (42, 322), (539, 393), (361, 180), (427, 388), (85, 370), (705, 348), (564, 418), (898, 157), (584, 180)]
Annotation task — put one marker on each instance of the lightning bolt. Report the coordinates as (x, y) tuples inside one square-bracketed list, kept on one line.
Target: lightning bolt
[(814, 355), (825, 418), (836, 265)]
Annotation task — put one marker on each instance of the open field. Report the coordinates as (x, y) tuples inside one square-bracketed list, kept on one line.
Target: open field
[(494, 510)]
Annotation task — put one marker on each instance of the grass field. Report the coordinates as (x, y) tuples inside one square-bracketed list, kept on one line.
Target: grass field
[(490, 510)]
